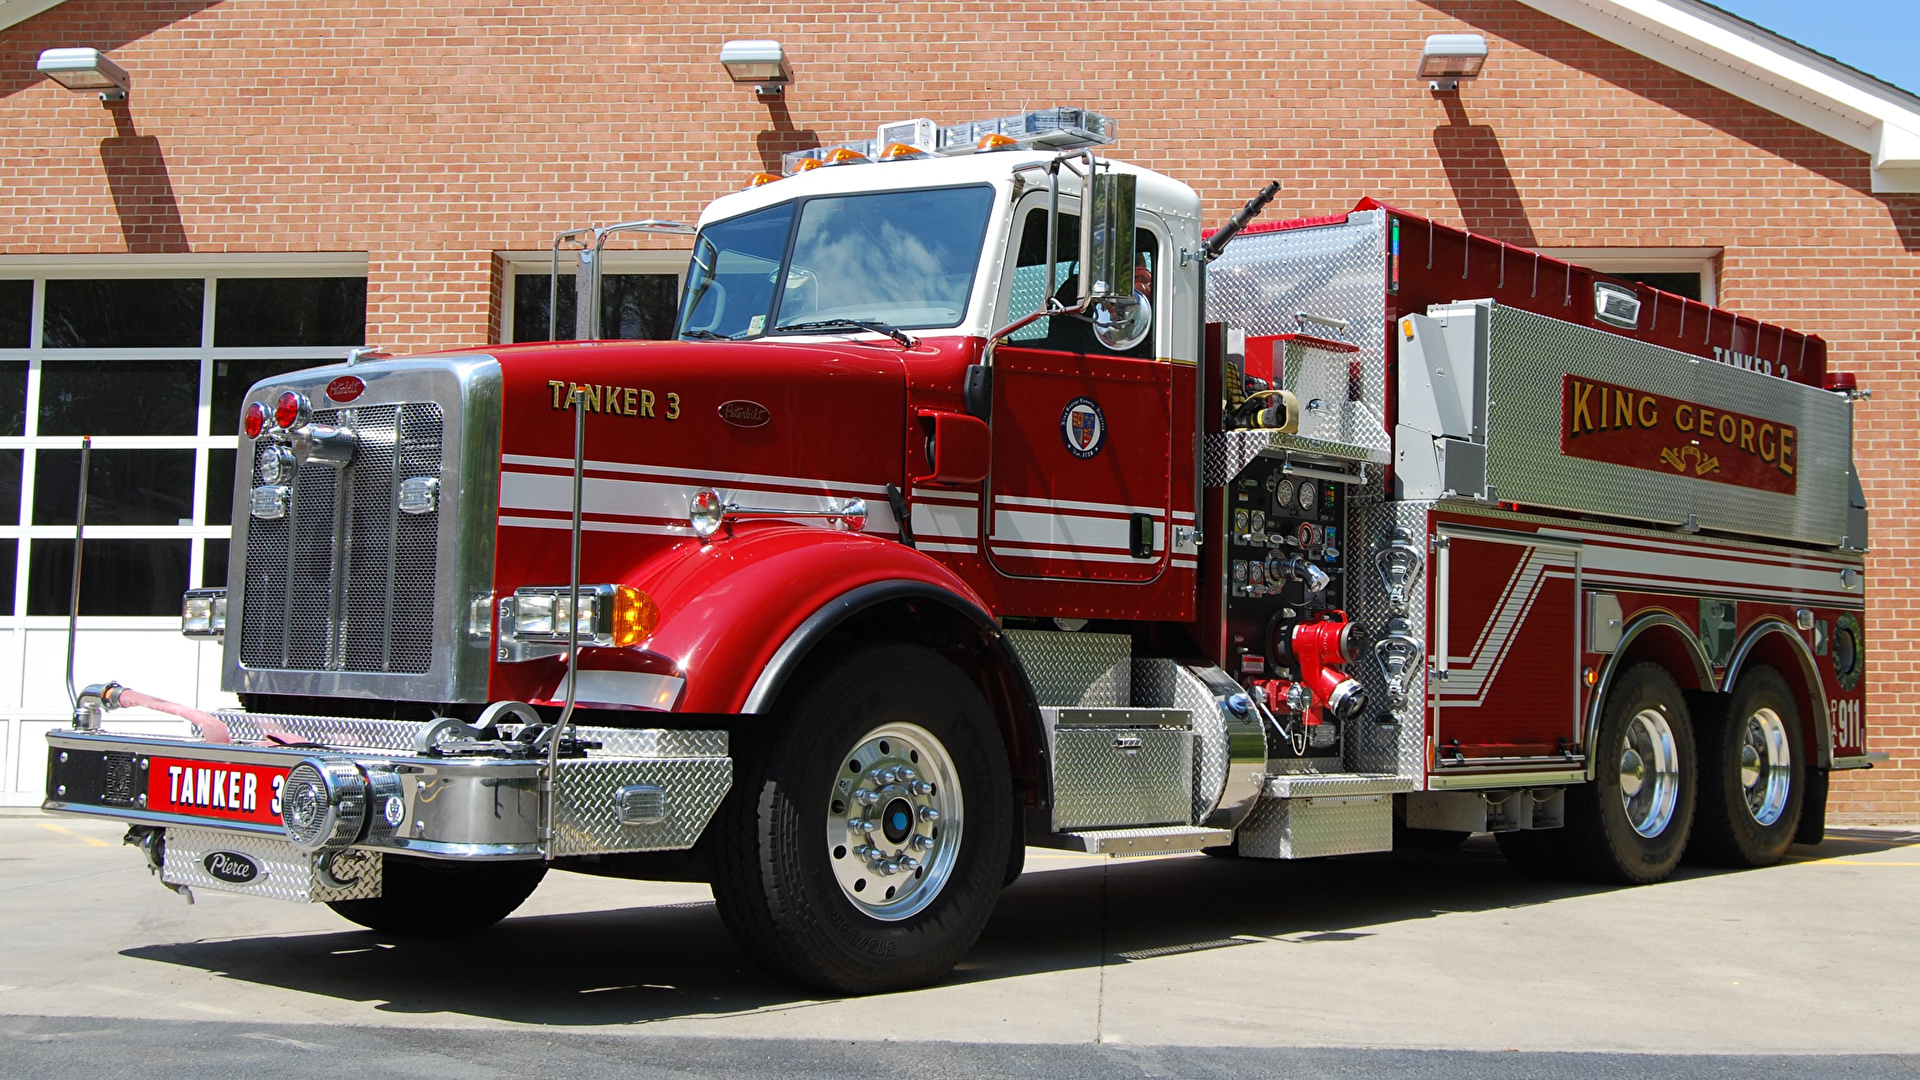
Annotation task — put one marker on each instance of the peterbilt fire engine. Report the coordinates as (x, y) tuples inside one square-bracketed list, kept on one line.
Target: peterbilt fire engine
[(983, 499)]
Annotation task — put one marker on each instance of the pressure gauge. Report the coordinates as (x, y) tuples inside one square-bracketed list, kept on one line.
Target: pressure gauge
[(1240, 521), (1307, 492), (1283, 497)]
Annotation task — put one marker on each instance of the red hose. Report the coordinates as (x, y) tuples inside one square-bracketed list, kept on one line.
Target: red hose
[(210, 727)]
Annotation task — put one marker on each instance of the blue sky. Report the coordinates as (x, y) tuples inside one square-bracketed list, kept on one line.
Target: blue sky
[(1880, 37)]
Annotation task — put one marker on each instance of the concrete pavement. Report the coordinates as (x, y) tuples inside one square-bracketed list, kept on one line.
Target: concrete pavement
[(1448, 951)]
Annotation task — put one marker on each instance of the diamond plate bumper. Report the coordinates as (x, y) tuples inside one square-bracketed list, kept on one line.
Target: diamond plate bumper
[(476, 805)]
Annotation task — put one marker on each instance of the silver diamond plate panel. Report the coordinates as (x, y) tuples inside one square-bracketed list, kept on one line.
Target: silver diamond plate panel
[(1302, 785), (1261, 281), (1228, 452), (1097, 782), (584, 819), (1399, 749), (1165, 684), (1310, 828), (1089, 670), (1332, 409), (1526, 353), (285, 872), (329, 731), (654, 742), (1121, 843)]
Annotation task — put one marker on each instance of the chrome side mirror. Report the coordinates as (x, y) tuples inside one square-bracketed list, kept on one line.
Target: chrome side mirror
[(1106, 236)]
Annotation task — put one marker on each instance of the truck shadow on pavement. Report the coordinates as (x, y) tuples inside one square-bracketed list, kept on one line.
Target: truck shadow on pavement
[(645, 964)]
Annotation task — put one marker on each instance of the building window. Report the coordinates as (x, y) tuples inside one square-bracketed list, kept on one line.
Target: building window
[(151, 360), (639, 295), (1688, 272)]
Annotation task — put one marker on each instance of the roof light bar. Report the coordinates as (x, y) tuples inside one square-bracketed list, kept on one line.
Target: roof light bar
[(1062, 128)]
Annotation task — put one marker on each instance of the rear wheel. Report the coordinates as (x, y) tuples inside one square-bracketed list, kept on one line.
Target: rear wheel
[(1630, 824), (437, 898), (1752, 775), (866, 839)]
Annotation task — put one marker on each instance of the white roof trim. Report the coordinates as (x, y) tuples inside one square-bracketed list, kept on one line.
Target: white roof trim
[(19, 11), (1766, 69)]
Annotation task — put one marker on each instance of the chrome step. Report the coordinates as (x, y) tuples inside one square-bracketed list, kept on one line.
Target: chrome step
[(1122, 842), (1320, 785)]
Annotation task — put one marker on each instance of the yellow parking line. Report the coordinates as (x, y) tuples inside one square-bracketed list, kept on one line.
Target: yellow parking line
[(1852, 860), (82, 837)]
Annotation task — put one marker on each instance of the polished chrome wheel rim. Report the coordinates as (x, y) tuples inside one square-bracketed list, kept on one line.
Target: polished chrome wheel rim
[(1649, 773), (894, 820), (1766, 766)]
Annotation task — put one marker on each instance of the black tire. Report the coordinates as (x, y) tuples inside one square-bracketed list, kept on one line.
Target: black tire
[(1728, 830), (1016, 861), (438, 898), (775, 880), (1599, 842)]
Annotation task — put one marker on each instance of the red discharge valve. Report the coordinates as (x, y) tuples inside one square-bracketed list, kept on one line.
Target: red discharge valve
[(1321, 648)]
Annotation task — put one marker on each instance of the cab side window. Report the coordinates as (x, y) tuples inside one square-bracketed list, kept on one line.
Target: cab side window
[(1034, 282)]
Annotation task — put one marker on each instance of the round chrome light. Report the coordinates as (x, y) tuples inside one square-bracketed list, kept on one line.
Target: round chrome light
[(706, 511), (276, 464), (323, 804), (291, 410)]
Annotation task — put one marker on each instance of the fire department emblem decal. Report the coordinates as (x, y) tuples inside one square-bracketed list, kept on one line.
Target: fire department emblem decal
[(1083, 427)]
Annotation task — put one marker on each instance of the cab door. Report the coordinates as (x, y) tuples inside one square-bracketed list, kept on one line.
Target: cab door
[(1080, 487)]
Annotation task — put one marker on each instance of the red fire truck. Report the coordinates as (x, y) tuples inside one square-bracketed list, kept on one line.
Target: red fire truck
[(983, 499)]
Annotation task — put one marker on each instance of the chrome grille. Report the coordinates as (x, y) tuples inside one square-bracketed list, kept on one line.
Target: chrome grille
[(345, 582)]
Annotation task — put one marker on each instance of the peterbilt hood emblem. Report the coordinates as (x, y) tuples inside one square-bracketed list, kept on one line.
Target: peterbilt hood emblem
[(747, 414), (346, 388)]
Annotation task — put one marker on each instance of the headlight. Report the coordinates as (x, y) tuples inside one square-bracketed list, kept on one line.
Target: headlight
[(706, 511), (203, 612), (616, 615)]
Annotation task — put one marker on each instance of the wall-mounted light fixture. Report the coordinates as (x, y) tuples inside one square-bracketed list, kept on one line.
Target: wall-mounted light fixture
[(1448, 58), (762, 63), (86, 69)]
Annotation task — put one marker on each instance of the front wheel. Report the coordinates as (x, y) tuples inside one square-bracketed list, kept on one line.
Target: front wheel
[(439, 898), (1630, 824), (867, 838)]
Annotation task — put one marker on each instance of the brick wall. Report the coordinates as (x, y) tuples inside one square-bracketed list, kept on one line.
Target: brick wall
[(430, 134)]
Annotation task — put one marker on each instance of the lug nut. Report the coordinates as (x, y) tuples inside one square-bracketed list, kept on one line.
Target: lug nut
[(921, 787), (907, 773), (891, 867), (865, 797), (887, 775), (909, 863), (928, 813), (923, 843), (860, 825)]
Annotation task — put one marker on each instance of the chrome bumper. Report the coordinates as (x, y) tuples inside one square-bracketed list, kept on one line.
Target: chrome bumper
[(637, 790)]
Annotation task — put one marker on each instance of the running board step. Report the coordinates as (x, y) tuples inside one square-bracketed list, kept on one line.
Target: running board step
[(1312, 785), (1123, 842)]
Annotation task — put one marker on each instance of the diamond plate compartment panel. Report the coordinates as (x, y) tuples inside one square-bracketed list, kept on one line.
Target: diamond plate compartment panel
[(284, 873), (584, 817), (1263, 280), (1121, 776), (330, 731), (1228, 452), (1313, 827), (1399, 749), (1165, 684), (1085, 670), (1524, 462)]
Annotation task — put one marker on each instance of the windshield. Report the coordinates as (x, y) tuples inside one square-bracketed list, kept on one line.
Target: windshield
[(904, 259)]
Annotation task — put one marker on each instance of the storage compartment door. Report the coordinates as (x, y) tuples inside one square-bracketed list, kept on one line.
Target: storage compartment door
[(1506, 649)]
